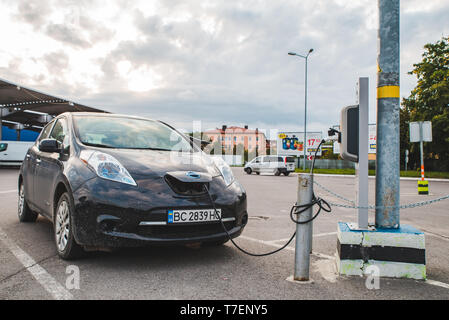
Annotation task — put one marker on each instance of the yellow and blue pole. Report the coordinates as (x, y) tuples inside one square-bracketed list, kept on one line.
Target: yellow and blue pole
[(387, 154)]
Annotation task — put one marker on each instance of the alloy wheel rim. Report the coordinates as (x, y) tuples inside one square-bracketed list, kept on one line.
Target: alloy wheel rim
[(62, 225)]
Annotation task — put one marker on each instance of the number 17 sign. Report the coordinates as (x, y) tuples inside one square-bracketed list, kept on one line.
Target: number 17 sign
[(313, 141)]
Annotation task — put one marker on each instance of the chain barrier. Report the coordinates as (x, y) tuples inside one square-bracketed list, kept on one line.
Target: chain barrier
[(333, 193), (353, 206)]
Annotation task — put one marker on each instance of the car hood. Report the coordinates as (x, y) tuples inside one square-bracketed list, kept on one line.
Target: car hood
[(153, 163)]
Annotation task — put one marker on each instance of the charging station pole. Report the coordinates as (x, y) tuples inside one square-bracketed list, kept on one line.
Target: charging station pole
[(360, 250), (303, 231), (387, 154), (362, 164)]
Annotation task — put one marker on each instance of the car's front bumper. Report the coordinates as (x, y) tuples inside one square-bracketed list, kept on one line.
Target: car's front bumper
[(110, 214)]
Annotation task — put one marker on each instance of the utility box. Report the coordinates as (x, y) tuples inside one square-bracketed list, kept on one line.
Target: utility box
[(349, 128)]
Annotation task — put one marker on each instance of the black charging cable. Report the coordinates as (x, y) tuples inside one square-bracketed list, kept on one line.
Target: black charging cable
[(230, 238), (296, 209), (321, 203)]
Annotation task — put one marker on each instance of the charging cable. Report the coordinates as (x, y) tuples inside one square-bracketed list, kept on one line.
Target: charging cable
[(295, 210)]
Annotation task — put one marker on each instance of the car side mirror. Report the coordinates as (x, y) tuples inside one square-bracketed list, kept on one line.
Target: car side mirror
[(50, 145), (3, 147)]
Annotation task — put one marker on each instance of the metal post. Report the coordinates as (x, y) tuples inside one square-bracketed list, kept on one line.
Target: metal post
[(305, 119), (362, 164), (421, 149), (387, 155), (305, 144), (305, 103), (303, 231)]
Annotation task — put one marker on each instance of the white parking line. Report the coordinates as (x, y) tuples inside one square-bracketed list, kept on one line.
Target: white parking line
[(52, 286), (439, 236), (269, 243), (315, 236), (8, 191), (437, 283), (324, 234)]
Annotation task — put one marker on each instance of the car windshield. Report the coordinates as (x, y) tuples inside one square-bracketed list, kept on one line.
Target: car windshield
[(128, 133)]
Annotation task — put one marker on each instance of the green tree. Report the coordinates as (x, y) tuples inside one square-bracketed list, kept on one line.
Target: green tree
[(429, 101)]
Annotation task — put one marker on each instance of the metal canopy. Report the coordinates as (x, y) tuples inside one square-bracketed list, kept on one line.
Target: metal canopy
[(23, 108)]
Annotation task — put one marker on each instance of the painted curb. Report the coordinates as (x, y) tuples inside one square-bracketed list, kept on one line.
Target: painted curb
[(398, 253)]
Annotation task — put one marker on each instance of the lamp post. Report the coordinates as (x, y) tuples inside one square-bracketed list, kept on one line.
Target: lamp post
[(305, 103)]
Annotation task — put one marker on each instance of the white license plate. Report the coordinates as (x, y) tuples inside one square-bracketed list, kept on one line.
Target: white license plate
[(192, 216)]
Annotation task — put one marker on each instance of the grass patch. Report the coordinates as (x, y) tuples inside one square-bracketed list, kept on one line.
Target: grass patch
[(430, 174)]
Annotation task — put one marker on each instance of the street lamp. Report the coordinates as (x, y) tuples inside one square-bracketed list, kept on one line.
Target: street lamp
[(305, 104)]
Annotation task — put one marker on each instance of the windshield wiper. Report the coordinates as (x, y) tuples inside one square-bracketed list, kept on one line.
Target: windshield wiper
[(151, 148), (108, 146), (97, 145)]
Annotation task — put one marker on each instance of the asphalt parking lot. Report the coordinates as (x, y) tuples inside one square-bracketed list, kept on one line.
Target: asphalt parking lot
[(31, 269)]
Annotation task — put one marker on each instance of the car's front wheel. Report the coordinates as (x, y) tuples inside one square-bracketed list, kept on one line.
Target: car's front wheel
[(248, 170), (24, 212), (63, 229)]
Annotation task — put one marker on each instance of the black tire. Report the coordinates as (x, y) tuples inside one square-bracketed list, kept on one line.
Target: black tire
[(277, 172), (23, 211), (66, 245), (248, 170), (286, 173), (257, 172)]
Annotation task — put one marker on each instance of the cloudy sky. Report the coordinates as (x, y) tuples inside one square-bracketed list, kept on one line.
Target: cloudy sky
[(221, 62)]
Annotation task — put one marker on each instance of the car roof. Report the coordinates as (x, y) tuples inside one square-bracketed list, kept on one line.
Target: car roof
[(101, 114)]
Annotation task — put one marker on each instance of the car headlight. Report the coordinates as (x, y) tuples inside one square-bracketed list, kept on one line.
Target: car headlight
[(106, 166), (224, 169)]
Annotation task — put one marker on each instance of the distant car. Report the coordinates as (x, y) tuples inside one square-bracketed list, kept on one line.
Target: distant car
[(114, 180), (274, 164), (12, 153)]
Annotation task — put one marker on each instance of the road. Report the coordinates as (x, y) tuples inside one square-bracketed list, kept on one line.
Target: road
[(30, 268)]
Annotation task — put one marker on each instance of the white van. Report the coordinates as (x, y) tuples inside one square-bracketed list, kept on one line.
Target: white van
[(12, 153), (271, 164)]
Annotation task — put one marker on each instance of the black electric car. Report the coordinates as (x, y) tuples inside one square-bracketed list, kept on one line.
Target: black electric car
[(108, 180)]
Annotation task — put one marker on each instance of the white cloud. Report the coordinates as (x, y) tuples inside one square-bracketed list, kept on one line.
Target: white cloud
[(419, 6), (218, 61), (141, 79)]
